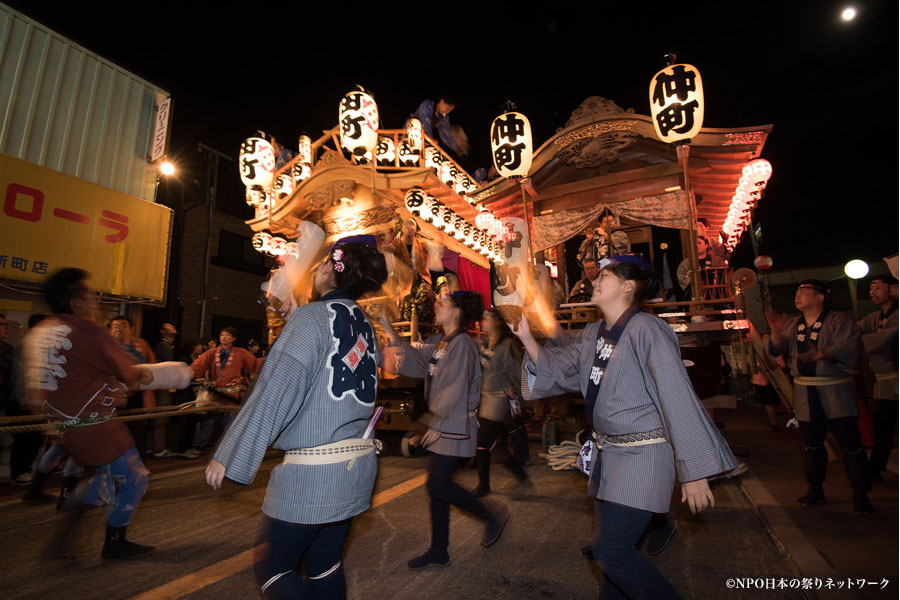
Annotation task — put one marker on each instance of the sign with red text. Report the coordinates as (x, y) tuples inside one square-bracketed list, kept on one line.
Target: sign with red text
[(50, 220), (160, 130)]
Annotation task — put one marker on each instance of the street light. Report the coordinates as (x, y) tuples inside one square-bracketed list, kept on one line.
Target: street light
[(167, 168), (848, 14)]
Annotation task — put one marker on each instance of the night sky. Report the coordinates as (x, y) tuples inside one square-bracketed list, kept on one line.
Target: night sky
[(828, 87)]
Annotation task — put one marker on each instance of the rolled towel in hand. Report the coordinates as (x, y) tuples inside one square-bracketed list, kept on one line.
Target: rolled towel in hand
[(164, 375)]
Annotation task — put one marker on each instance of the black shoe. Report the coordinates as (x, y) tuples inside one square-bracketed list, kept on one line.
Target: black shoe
[(862, 506), (659, 538), (481, 490), (587, 553), (516, 469), (811, 498), (495, 523), (117, 547), (432, 558)]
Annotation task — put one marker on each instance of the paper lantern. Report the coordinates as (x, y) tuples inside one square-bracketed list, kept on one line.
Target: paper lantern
[(448, 173), (384, 151), (436, 214), (278, 246), (433, 159), (676, 102), (300, 173), (763, 262), (484, 220), (261, 241), (467, 232), (446, 221), (463, 184), (284, 186), (304, 144), (293, 249), (358, 118), (407, 157), (757, 171), (257, 162), (496, 230), (415, 201), (511, 145), (414, 135)]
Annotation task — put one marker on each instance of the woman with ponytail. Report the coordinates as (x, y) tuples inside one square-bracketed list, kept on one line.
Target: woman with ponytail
[(314, 398)]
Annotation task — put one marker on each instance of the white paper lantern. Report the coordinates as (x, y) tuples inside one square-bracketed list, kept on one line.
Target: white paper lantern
[(300, 173), (284, 186), (358, 118), (446, 222), (484, 220), (448, 173), (261, 241), (384, 151), (414, 135), (436, 215), (407, 157), (433, 159), (416, 202), (676, 102), (757, 171), (304, 144), (257, 162), (293, 249), (511, 145), (278, 246)]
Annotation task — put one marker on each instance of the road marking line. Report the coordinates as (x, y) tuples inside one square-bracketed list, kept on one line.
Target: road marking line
[(228, 567)]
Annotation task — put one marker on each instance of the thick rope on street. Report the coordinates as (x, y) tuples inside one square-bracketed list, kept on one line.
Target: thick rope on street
[(562, 457), (159, 412)]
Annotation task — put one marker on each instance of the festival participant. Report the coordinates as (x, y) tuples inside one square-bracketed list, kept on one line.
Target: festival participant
[(313, 398), (74, 373), (501, 362), (823, 347), (648, 424), (449, 363), (879, 337)]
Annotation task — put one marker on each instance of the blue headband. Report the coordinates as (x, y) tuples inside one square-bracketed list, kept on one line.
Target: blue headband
[(625, 258)]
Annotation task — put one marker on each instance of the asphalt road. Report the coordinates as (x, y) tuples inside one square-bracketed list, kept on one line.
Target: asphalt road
[(204, 542)]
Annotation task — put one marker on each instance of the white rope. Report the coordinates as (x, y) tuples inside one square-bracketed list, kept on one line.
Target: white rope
[(562, 457)]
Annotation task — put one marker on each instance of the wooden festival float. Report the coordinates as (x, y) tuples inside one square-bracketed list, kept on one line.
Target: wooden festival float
[(358, 179)]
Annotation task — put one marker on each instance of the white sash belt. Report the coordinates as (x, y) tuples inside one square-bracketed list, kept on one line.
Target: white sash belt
[(327, 454)]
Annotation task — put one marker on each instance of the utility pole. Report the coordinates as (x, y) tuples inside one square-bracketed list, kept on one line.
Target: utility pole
[(212, 180)]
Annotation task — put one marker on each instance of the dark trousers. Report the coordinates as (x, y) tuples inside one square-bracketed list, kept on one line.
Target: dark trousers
[(285, 548), (845, 430), (137, 428), (626, 572), (443, 492), (884, 417), (489, 432)]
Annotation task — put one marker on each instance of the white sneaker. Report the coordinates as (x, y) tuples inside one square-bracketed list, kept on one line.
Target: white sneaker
[(165, 453), (191, 453)]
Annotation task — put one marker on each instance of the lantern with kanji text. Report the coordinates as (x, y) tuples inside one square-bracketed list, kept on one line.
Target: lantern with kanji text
[(511, 145), (358, 119), (676, 102), (384, 151), (414, 135), (257, 163)]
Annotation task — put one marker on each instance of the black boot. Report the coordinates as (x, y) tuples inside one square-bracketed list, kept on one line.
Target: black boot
[(483, 462), (35, 492), (117, 547), (65, 492), (516, 469), (815, 465), (857, 471)]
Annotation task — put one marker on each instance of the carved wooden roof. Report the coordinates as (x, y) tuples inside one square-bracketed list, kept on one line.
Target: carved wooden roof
[(606, 154)]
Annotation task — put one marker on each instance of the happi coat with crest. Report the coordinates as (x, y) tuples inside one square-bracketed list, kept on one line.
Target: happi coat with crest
[(838, 337), (317, 386), (643, 387)]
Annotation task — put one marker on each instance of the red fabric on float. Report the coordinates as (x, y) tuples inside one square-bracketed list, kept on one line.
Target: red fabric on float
[(476, 279)]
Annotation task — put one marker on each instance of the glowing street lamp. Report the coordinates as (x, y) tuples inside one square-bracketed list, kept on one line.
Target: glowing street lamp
[(167, 169)]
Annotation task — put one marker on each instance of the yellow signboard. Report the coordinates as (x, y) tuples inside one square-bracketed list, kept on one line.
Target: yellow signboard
[(50, 220)]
